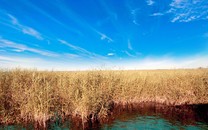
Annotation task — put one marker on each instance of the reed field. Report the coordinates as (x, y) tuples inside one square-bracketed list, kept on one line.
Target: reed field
[(37, 96)]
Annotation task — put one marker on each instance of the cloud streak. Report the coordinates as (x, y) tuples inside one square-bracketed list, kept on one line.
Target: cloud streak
[(76, 48), (52, 18), (25, 29), (4, 43), (102, 35), (68, 55), (129, 45), (74, 17), (127, 53), (157, 14), (81, 51)]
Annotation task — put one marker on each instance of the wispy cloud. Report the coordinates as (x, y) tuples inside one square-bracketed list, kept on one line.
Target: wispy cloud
[(187, 11), (61, 7), (81, 51), (157, 14), (70, 14), (74, 47), (13, 19), (68, 55), (104, 36), (74, 17), (135, 22), (4, 43), (17, 59), (32, 32), (111, 54), (129, 54), (134, 16), (17, 50), (129, 45), (25, 29), (150, 2)]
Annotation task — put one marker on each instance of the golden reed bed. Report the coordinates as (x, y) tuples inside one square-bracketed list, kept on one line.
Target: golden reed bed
[(37, 96)]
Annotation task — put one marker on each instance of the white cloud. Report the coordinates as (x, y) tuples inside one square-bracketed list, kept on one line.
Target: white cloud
[(157, 14), (180, 18), (129, 45), (150, 2), (127, 53), (105, 37), (175, 19), (4, 43), (32, 32), (111, 54), (13, 19), (178, 3), (135, 22), (17, 50), (187, 11), (134, 13), (25, 29)]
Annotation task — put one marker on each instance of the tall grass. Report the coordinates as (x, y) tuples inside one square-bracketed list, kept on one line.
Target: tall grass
[(36, 96)]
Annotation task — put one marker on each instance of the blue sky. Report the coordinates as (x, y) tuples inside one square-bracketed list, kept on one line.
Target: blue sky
[(109, 34)]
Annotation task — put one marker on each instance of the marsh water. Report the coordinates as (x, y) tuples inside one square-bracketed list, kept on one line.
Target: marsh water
[(144, 117), (153, 123)]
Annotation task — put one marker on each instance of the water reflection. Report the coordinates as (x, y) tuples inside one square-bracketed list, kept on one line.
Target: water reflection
[(145, 116), (152, 123), (159, 117)]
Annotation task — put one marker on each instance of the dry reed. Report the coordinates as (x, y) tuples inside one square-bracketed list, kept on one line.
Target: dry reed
[(36, 96)]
